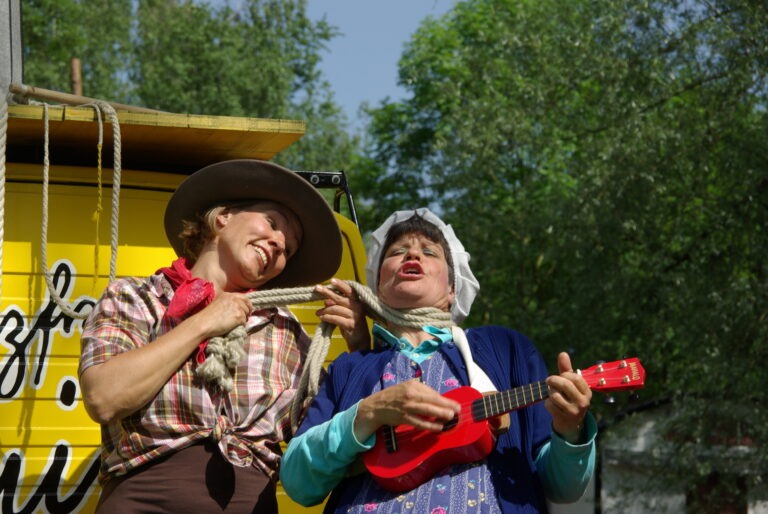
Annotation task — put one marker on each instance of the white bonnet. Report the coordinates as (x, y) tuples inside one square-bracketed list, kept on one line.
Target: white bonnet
[(465, 285)]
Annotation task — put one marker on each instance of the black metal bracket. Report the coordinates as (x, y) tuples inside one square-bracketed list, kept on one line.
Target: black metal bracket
[(333, 180)]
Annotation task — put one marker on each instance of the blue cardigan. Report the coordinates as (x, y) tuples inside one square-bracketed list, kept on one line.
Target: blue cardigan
[(510, 360)]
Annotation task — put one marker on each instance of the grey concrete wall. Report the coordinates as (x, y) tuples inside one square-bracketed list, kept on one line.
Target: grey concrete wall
[(10, 44)]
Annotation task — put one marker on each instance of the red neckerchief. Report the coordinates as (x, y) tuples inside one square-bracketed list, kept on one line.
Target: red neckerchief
[(191, 295)]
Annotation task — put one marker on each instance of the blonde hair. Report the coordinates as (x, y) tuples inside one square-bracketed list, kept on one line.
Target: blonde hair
[(195, 234)]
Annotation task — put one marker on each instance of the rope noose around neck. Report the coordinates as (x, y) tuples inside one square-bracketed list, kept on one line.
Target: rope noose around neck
[(223, 353)]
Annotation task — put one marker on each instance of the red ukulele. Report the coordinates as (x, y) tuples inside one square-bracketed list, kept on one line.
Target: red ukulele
[(405, 457)]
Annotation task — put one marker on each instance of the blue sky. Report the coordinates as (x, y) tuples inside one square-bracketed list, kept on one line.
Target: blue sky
[(361, 63)]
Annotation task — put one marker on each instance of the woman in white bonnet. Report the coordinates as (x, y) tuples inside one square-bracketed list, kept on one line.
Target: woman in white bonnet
[(544, 451)]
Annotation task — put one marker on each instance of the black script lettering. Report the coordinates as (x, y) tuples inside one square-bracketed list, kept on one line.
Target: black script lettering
[(48, 487), (20, 338)]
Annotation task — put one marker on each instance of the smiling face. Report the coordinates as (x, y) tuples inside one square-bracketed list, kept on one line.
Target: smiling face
[(255, 242), (414, 272)]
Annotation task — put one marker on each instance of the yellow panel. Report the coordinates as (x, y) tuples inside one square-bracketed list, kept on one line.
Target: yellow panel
[(69, 175), (148, 141)]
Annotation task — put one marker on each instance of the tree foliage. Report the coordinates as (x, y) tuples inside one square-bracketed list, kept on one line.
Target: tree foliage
[(98, 33), (258, 59), (605, 162)]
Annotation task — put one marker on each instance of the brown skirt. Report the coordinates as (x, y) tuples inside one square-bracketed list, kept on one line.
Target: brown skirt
[(195, 479)]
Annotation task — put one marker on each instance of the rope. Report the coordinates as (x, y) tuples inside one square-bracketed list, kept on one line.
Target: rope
[(3, 141), (99, 196), (225, 352), (112, 115), (117, 170)]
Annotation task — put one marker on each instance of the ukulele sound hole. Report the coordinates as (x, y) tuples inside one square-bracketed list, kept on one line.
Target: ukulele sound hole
[(451, 424), (390, 440)]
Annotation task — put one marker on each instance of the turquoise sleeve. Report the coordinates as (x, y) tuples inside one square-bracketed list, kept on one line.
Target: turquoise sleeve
[(565, 469), (316, 461)]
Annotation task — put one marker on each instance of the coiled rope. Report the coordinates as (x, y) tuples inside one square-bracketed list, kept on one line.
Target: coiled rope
[(109, 112), (225, 352)]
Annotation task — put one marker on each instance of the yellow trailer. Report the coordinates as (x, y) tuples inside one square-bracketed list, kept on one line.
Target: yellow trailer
[(82, 197)]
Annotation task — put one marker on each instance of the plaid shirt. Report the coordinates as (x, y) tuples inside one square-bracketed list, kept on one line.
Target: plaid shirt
[(247, 423)]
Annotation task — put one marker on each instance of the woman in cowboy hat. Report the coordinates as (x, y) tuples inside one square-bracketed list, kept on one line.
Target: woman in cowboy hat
[(171, 439), (544, 451)]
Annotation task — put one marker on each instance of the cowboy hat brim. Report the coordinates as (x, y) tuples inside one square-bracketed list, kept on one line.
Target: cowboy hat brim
[(319, 255)]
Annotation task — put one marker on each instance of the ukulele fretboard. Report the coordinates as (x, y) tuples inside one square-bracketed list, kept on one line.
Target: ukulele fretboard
[(505, 401)]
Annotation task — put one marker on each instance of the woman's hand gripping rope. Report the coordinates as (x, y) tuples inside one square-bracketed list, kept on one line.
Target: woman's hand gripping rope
[(224, 353)]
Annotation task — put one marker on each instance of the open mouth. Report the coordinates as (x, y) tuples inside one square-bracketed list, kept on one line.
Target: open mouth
[(411, 268)]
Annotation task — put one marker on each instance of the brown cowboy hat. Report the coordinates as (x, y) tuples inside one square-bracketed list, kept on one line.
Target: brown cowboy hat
[(319, 255)]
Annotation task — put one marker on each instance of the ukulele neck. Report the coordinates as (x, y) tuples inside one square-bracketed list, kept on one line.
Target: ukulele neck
[(495, 404)]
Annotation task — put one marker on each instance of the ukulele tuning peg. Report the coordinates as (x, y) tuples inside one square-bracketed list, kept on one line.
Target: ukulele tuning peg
[(609, 400)]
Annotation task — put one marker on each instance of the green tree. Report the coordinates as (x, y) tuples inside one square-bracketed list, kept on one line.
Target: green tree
[(606, 165), (98, 33), (258, 59)]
